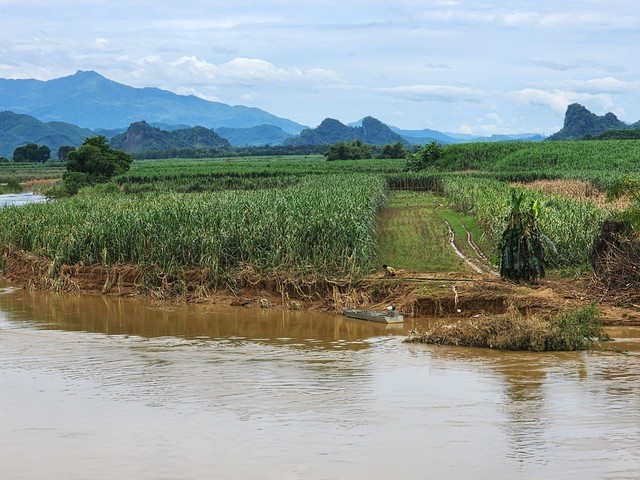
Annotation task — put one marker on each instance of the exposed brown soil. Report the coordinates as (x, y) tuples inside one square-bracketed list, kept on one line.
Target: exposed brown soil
[(29, 184), (413, 293)]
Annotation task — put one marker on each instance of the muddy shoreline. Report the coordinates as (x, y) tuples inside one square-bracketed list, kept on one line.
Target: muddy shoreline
[(416, 294)]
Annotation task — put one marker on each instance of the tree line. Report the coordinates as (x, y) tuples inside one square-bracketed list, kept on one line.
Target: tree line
[(33, 153), (417, 157)]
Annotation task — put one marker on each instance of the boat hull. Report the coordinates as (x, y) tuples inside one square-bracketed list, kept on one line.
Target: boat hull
[(373, 316)]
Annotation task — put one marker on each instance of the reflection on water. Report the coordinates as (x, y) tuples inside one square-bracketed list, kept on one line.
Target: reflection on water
[(111, 388), (117, 316)]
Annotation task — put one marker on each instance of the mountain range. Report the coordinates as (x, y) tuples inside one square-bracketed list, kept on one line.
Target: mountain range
[(92, 101), (66, 110)]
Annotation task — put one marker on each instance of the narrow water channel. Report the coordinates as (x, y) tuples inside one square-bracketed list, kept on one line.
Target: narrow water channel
[(108, 388), (18, 199)]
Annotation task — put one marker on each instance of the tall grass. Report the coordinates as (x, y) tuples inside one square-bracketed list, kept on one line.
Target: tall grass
[(571, 225), (321, 226)]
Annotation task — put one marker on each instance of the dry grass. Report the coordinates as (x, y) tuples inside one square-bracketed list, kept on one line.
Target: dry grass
[(577, 190), (571, 330)]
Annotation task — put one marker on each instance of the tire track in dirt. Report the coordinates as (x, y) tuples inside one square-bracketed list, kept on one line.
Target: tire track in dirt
[(485, 266)]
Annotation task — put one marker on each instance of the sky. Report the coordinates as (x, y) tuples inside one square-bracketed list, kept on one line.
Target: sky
[(462, 66)]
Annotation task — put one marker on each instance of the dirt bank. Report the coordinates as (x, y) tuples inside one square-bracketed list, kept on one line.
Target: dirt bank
[(415, 293)]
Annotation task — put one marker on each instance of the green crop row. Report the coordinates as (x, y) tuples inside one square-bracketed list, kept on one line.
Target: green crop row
[(570, 225), (323, 226)]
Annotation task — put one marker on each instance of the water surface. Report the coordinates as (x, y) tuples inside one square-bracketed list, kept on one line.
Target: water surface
[(19, 199), (108, 388)]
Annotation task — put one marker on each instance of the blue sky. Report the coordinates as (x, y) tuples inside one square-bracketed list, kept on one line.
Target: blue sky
[(479, 67)]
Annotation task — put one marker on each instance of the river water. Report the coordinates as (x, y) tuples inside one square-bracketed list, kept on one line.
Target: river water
[(111, 388), (18, 199)]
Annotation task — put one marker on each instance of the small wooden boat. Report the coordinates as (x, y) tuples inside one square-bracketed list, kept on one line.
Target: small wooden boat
[(383, 317)]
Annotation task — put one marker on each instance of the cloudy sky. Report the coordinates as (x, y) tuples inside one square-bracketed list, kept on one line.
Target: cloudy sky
[(481, 67)]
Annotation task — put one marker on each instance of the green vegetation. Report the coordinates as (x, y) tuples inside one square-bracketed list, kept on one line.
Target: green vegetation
[(22, 172), (12, 186), (600, 163), (414, 233), (413, 236), (94, 162), (426, 157), (355, 150), (321, 227), (633, 134), (521, 253), (32, 153), (471, 178), (307, 224), (395, 150)]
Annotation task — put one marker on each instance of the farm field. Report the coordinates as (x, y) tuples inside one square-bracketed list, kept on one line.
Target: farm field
[(308, 229)]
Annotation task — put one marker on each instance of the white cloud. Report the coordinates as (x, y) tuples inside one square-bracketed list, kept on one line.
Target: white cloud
[(247, 71), (433, 93), (601, 85), (197, 93), (100, 42), (249, 97), (558, 100)]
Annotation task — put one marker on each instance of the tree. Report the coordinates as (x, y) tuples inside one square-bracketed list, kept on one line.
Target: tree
[(97, 160), (355, 150), (395, 150), (63, 152), (32, 153), (426, 157), (93, 162)]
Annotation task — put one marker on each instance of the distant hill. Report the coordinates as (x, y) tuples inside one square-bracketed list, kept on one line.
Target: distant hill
[(92, 101), (419, 137), (17, 130), (254, 136), (580, 123), (142, 137), (330, 131)]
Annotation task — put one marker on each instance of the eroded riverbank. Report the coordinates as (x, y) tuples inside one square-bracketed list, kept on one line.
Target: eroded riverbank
[(419, 295)]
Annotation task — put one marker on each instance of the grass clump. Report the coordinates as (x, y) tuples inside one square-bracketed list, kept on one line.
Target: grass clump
[(12, 186), (568, 331)]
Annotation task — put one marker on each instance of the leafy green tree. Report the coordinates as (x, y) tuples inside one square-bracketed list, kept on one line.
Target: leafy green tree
[(427, 156), (98, 160), (32, 153), (395, 150), (94, 162)]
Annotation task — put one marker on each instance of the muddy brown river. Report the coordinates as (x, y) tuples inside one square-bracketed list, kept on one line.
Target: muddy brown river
[(109, 388)]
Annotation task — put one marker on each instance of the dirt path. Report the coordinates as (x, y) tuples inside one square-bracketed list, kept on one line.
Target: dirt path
[(481, 263)]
